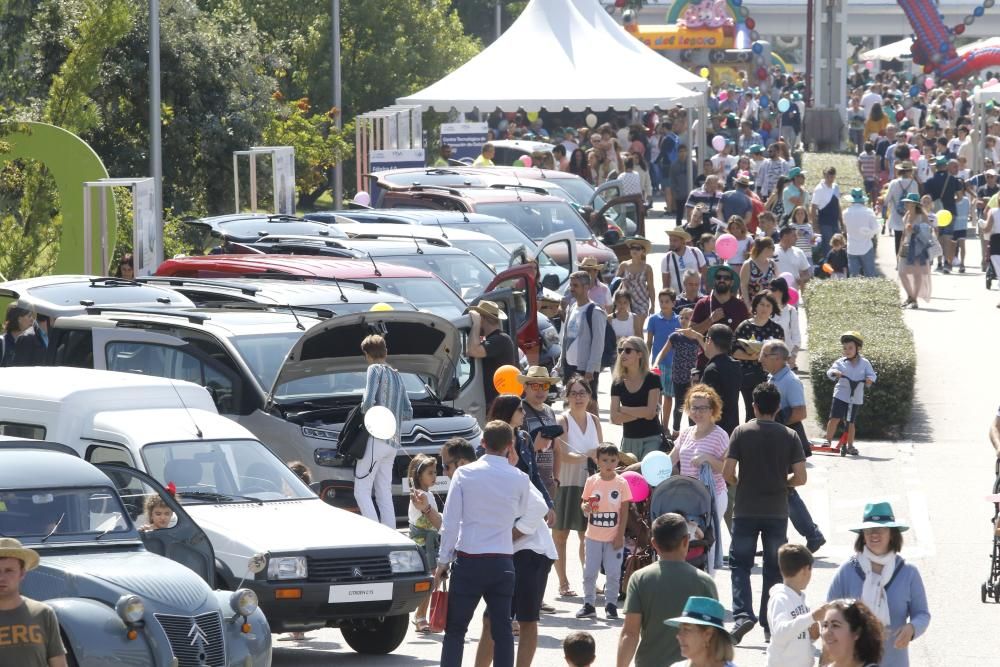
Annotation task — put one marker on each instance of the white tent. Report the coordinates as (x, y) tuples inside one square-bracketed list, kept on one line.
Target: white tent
[(553, 58), (896, 50)]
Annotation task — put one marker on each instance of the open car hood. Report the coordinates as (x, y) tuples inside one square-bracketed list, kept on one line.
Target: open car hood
[(418, 342)]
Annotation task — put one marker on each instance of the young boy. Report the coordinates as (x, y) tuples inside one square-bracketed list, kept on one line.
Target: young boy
[(605, 501), (768, 227), (837, 257), (659, 326), (707, 244), (793, 628), (852, 374), (579, 649)]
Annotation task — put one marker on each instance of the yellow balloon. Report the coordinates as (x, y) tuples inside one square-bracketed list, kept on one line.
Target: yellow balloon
[(704, 72), (944, 218), (532, 116), (380, 306)]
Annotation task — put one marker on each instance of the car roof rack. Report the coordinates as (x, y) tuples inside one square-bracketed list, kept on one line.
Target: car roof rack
[(520, 186), (293, 238), (177, 281), (193, 318), (324, 313), (428, 188), (365, 284), (429, 239), (111, 280)]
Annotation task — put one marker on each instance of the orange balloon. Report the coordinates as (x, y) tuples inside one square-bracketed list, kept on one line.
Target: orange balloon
[(505, 380), (827, 268)]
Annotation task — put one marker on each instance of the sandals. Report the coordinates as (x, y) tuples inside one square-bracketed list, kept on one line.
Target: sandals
[(566, 592), (421, 625)]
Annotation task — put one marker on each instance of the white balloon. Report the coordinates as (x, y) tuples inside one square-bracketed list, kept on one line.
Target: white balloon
[(363, 199), (591, 120), (380, 422)]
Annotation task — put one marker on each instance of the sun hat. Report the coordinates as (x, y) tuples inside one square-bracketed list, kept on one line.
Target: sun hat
[(489, 309), (641, 240), (743, 179), (879, 515), (858, 195), (795, 172), (537, 374), (701, 611), (590, 263), (713, 270), (990, 172), (679, 233), (912, 197), (756, 148), (11, 548), (941, 161), (905, 165)]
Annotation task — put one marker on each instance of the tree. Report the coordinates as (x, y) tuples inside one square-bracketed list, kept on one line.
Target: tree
[(479, 16)]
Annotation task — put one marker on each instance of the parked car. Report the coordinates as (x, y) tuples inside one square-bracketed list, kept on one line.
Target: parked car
[(507, 151), (150, 432), (248, 227), (61, 295), (122, 596), (239, 355), (537, 215)]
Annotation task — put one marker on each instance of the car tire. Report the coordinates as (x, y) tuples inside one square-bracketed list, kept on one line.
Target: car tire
[(376, 636)]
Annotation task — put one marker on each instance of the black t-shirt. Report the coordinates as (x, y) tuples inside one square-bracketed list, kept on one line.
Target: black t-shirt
[(765, 452), (725, 376), (500, 351), (943, 186), (638, 428)]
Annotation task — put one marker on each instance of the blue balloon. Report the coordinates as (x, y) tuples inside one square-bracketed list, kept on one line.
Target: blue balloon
[(978, 11), (764, 100), (656, 467), (757, 48), (783, 105), (914, 91), (944, 47)]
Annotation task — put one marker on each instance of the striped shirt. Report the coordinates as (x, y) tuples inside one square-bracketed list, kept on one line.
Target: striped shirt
[(868, 162), (384, 386), (714, 444)]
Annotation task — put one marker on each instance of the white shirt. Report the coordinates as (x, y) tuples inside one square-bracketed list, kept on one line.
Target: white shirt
[(861, 226), (868, 100), (631, 183), (539, 539), (485, 500), (788, 318), (793, 261), (789, 618), (600, 294), (898, 189), (674, 265), (822, 194), (723, 164)]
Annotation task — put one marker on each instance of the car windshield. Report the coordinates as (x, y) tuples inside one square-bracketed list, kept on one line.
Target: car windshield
[(507, 234), (264, 353), (464, 273), (492, 252), (427, 294), (340, 384), (37, 513), (538, 219), (222, 471)]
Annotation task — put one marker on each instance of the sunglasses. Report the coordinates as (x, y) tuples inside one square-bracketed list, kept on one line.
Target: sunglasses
[(635, 248), (579, 394), (626, 350), (537, 385)]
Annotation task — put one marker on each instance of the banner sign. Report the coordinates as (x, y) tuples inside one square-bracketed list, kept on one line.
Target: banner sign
[(396, 159), (283, 176), (466, 139), (145, 239)]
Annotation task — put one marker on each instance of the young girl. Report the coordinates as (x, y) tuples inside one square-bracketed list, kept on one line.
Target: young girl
[(685, 358), (804, 234), (788, 318), (707, 243), (837, 257), (758, 328), (637, 276), (738, 228), (158, 514), (623, 321), (425, 522)]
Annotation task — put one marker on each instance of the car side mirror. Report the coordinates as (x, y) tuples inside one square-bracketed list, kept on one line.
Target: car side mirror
[(453, 390), (551, 282)]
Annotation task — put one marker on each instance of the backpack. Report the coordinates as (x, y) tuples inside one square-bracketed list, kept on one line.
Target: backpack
[(610, 352)]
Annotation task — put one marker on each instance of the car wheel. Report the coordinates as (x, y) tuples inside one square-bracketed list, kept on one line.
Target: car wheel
[(376, 636)]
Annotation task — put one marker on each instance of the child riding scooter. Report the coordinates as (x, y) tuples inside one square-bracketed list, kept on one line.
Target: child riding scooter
[(850, 372)]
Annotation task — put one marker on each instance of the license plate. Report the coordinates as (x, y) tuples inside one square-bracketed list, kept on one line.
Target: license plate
[(440, 485), (361, 592)]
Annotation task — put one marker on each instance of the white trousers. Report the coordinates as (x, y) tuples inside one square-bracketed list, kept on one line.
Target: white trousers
[(373, 474)]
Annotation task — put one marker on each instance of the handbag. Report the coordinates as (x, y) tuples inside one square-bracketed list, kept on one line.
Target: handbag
[(642, 557), (934, 250), (352, 443), (438, 616)]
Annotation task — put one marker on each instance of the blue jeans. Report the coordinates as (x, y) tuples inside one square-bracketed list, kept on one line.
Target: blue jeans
[(746, 530), (862, 264), (473, 579), (803, 522), (826, 232)]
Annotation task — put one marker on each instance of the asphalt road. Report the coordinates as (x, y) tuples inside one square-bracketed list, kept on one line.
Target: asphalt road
[(936, 478)]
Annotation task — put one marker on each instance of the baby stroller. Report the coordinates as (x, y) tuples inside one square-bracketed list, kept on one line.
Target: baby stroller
[(693, 500), (991, 589)]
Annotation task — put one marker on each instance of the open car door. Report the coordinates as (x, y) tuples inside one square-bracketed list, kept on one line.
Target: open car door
[(516, 291), (182, 541)]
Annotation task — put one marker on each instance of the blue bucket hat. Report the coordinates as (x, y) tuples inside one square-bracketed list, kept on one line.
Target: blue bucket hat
[(879, 515), (701, 611), (858, 195)]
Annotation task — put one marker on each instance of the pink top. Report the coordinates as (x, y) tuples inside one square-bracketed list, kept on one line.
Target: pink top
[(714, 444)]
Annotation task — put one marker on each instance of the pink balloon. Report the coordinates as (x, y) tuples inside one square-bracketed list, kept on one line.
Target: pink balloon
[(526, 160), (724, 95), (789, 278), (928, 83), (718, 142), (793, 296), (637, 485), (914, 154), (992, 82), (726, 246), (870, 65)]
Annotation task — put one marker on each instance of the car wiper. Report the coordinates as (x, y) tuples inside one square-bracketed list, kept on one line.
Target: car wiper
[(55, 527), (214, 495)]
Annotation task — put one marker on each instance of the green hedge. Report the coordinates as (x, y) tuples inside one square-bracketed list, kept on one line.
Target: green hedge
[(869, 306)]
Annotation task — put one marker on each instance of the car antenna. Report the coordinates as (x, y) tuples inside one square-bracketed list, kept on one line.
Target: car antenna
[(343, 297), (188, 411), (420, 250), (298, 324), (444, 234), (517, 190), (377, 272)]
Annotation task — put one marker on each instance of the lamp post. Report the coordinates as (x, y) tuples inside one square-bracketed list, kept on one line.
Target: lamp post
[(338, 169), (498, 15), (155, 145)]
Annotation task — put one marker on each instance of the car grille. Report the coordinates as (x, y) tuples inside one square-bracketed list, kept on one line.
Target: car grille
[(195, 640), (334, 570), (421, 437)]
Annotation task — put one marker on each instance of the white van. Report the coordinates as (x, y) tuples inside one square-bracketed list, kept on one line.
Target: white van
[(325, 566)]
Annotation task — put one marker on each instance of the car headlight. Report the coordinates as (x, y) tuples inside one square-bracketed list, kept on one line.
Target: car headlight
[(130, 608), (287, 567), (320, 433), (406, 561), (243, 601)]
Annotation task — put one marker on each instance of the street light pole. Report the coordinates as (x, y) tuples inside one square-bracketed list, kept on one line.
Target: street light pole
[(155, 145), (499, 13), (338, 170)]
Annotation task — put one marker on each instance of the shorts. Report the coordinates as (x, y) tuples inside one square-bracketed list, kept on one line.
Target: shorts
[(667, 380), (959, 234), (946, 231), (839, 411), (531, 574)]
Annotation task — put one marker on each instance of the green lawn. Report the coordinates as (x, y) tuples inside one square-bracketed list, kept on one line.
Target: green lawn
[(846, 165)]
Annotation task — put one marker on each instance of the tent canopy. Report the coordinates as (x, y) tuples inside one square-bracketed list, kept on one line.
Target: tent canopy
[(896, 50), (553, 57)]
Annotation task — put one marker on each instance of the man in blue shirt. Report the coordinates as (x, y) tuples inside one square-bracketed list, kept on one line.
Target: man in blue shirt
[(792, 413)]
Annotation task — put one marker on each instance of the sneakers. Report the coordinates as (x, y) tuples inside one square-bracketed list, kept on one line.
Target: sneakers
[(587, 611), (741, 628), (611, 611), (852, 450)]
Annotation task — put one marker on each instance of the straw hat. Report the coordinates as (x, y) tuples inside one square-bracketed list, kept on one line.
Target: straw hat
[(680, 233), (489, 309), (537, 375), (640, 240), (11, 548), (591, 263)]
